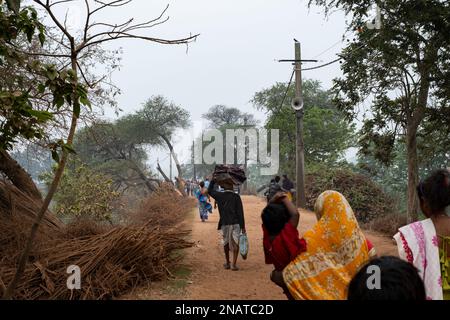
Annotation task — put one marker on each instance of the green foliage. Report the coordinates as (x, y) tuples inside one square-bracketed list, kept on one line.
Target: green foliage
[(157, 118), (83, 192), (402, 70), (326, 132), (220, 116), (18, 116), (114, 150), (394, 178), (118, 149)]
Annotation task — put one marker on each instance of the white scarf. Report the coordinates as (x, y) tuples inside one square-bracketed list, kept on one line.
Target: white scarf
[(421, 241)]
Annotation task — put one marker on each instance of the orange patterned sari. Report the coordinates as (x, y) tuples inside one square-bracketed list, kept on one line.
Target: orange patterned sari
[(336, 249)]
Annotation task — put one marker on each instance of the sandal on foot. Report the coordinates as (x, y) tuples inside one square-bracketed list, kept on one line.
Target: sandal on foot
[(227, 266), (234, 268)]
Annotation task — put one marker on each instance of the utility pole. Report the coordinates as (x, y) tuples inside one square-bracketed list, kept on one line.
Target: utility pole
[(170, 159), (299, 111), (247, 145), (193, 160), (297, 105)]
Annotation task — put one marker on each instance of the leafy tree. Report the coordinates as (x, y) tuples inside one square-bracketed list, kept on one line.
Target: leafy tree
[(63, 85), (84, 192), (157, 122), (17, 115), (394, 177), (35, 159), (403, 70), (326, 132), (115, 149), (219, 116)]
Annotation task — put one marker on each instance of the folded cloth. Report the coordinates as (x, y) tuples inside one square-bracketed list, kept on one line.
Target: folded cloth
[(229, 173), (231, 235)]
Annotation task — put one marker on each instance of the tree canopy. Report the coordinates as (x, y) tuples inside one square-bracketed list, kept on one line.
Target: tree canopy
[(327, 135), (402, 71), (220, 116)]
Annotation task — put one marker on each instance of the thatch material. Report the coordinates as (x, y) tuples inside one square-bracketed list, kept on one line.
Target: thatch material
[(15, 203), (111, 264), (113, 260), (165, 206)]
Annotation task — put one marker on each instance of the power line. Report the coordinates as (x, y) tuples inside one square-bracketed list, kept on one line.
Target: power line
[(340, 58), (326, 50), (287, 90), (323, 65), (334, 61)]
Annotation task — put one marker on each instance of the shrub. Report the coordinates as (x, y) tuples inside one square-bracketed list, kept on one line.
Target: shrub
[(367, 199), (84, 192)]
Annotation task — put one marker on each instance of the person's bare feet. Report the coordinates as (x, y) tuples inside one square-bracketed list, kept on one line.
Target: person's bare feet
[(234, 268), (227, 266)]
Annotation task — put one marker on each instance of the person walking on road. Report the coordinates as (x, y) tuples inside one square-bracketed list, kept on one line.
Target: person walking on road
[(231, 222)]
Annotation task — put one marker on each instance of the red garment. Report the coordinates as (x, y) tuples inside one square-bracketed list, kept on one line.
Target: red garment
[(284, 248), (369, 245)]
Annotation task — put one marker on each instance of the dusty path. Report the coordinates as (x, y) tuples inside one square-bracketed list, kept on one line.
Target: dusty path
[(210, 281)]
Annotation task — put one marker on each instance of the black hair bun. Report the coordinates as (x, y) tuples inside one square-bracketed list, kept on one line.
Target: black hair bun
[(436, 190)]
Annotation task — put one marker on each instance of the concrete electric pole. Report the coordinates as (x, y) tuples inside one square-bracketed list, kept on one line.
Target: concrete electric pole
[(297, 105)]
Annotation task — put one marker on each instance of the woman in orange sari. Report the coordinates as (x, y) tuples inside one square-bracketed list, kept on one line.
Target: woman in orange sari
[(336, 250)]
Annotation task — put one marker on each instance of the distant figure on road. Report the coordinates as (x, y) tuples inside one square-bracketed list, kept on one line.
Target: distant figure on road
[(231, 221), (272, 188), (288, 186), (204, 206), (188, 188)]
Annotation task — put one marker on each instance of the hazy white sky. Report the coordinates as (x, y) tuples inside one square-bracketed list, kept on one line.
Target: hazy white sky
[(233, 58)]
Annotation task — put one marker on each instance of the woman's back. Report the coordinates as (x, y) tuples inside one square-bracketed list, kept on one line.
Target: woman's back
[(426, 244), (442, 225)]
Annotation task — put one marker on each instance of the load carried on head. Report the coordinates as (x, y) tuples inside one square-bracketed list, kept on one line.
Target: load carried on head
[(229, 174)]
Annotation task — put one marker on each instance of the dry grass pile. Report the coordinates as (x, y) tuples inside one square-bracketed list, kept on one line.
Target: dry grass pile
[(111, 264), (17, 214), (113, 259), (165, 206)]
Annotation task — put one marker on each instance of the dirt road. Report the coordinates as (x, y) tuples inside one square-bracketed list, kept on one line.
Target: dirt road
[(207, 280), (211, 281)]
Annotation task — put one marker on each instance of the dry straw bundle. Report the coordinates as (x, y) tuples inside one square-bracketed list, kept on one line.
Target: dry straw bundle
[(113, 259)]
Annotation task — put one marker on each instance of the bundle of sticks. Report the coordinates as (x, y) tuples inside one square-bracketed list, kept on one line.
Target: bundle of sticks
[(229, 174), (113, 260), (110, 263)]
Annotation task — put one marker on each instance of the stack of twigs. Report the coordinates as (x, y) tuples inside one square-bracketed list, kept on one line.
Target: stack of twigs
[(14, 202), (164, 206), (111, 264), (17, 214), (112, 260)]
